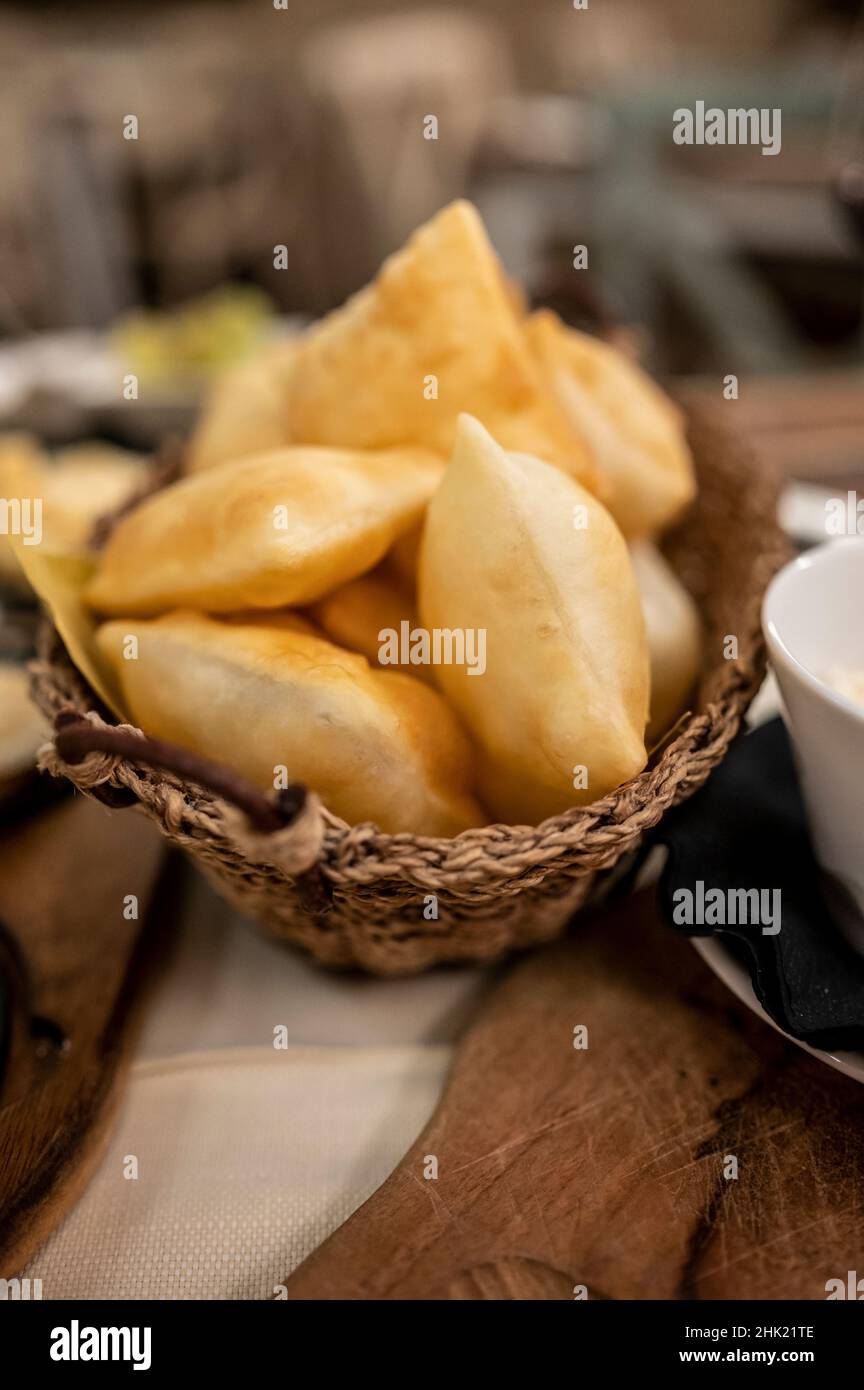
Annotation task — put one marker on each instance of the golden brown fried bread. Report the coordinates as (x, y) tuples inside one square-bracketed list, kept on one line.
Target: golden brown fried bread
[(435, 334), (634, 431), (356, 615), (515, 549), (273, 530), (262, 695), (245, 411), (74, 488), (674, 636)]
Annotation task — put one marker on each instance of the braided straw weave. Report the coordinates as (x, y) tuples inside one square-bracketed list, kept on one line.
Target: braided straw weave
[(350, 895)]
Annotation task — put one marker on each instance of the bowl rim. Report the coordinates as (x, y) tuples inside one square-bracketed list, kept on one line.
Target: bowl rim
[(778, 647)]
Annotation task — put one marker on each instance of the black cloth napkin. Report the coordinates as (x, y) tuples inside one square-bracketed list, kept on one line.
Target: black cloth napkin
[(747, 829)]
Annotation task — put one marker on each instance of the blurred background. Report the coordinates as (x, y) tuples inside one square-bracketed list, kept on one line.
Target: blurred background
[(302, 127), (180, 182)]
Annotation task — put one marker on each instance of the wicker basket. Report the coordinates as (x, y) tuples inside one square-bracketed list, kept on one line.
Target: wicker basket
[(397, 904)]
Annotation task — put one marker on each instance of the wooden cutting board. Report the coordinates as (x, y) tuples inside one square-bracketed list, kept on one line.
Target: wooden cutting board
[(608, 1169), (73, 964)]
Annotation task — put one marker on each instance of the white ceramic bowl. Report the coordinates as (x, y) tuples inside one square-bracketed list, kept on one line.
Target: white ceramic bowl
[(813, 617)]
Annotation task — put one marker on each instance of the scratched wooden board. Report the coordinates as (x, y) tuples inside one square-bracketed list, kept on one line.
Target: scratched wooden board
[(606, 1167), (73, 968)]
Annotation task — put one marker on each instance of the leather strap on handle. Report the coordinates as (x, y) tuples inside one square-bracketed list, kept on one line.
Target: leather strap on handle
[(285, 829), (75, 739)]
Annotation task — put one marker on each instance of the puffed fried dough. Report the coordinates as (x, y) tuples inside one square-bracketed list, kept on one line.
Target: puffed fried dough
[(437, 332), (262, 694), (634, 431), (566, 678), (355, 615), (245, 412), (74, 486), (674, 636), (278, 529)]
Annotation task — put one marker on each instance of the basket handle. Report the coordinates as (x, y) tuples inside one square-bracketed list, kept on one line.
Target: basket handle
[(75, 738)]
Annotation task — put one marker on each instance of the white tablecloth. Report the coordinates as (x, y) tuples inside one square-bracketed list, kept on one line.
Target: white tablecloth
[(248, 1156)]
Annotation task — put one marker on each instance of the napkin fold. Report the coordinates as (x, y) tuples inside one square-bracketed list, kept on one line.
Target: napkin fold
[(747, 829)]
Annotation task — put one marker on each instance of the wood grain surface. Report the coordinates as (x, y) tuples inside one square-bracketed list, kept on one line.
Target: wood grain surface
[(606, 1168), (74, 969)]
